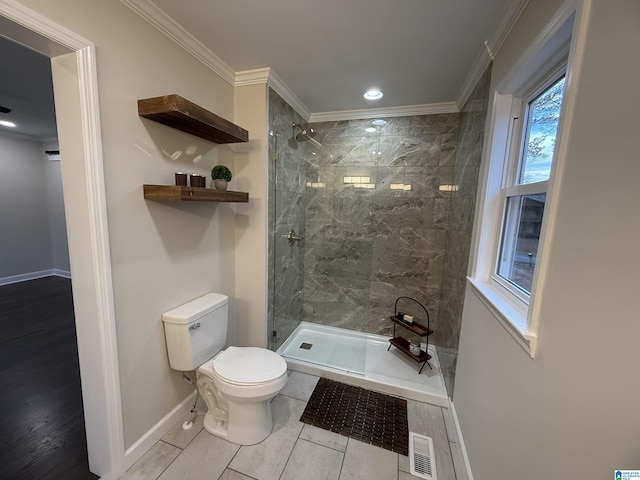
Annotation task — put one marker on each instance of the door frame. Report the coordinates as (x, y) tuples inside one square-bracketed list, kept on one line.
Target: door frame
[(96, 331)]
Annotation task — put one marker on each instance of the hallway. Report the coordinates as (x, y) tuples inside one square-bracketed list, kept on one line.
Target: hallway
[(43, 419)]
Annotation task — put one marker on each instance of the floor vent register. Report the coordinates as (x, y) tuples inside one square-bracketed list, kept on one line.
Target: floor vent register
[(421, 459)]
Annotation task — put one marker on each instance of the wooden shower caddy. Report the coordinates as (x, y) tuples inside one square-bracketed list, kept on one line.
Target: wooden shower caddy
[(403, 344)]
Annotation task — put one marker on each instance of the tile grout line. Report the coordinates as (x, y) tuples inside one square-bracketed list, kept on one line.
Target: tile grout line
[(444, 420), (294, 447), (231, 460), (320, 444), (171, 462), (236, 471), (344, 456)]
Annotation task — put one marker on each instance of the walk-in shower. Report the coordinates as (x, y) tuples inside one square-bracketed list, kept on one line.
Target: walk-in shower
[(378, 217)]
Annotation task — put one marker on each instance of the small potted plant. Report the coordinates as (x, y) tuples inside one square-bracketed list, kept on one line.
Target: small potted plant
[(221, 175)]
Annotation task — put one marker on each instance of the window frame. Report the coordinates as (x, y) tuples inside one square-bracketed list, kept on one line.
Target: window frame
[(518, 134), (554, 48)]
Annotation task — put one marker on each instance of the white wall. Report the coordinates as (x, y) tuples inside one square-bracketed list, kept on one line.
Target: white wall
[(572, 412), (162, 254), (251, 110), (33, 236)]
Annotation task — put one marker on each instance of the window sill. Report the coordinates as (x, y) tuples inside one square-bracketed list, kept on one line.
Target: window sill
[(513, 319)]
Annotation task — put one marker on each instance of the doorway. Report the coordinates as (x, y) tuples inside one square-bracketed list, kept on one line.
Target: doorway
[(43, 416), (77, 112)]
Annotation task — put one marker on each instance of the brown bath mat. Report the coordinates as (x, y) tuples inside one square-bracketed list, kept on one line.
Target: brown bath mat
[(370, 417)]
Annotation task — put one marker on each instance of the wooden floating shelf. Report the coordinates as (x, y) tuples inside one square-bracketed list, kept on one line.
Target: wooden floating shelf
[(415, 327), (177, 112), (176, 193), (403, 344)]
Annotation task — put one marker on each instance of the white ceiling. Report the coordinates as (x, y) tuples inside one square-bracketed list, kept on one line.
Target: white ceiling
[(26, 88), (326, 52)]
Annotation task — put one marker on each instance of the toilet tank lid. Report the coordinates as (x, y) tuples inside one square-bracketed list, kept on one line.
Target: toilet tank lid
[(195, 309)]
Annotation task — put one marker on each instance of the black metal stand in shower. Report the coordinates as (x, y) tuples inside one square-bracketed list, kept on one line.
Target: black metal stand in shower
[(402, 343)]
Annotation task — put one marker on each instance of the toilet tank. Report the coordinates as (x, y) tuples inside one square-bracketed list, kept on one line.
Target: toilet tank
[(196, 331)]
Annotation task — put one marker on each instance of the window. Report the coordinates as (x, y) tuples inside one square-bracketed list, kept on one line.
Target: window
[(524, 193), (517, 191)]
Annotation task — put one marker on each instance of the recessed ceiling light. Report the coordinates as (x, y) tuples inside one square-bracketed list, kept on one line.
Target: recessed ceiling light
[(370, 129), (4, 123), (379, 122), (373, 94)]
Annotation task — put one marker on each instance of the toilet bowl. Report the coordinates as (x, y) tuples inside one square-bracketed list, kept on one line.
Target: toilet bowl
[(237, 386), (237, 383)]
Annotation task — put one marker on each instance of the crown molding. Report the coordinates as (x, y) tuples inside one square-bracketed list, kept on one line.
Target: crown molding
[(21, 136), (288, 96), (490, 48), (268, 76), (165, 24), (511, 15), (160, 20), (404, 111), (256, 76)]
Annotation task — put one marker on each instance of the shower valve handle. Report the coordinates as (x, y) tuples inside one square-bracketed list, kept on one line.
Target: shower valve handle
[(292, 237)]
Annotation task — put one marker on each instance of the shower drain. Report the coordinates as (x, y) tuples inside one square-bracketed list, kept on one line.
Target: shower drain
[(421, 458), (306, 346)]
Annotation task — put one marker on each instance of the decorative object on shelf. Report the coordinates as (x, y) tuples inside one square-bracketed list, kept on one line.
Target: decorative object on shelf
[(407, 321), (181, 179), (221, 175), (199, 181)]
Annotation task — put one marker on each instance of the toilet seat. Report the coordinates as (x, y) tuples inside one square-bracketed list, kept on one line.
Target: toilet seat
[(247, 366)]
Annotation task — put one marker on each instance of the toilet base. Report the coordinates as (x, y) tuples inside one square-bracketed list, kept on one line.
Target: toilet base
[(245, 421), (250, 423)]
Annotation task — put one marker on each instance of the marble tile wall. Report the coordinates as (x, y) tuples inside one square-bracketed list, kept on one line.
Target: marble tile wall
[(287, 178), (376, 223), (456, 262), (369, 236)]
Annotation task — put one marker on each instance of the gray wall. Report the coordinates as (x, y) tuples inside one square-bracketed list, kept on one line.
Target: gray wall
[(55, 204), (33, 235), (469, 153), (367, 246)]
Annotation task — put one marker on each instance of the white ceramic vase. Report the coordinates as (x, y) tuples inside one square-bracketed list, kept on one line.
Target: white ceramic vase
[(220, 184)]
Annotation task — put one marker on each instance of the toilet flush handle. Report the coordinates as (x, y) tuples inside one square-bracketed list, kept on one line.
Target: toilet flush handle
[(194, 326)]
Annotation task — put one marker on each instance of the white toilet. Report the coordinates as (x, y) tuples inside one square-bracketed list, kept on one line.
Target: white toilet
[(237, 383)]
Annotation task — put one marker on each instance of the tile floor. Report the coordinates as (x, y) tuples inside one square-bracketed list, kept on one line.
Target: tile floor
[(295, 450)]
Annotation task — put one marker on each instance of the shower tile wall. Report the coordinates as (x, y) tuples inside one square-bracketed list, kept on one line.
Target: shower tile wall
[(472, 119), (287, 174), (377, 220)]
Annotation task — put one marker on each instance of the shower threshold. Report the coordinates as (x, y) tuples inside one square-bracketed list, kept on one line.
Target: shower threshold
[(363, 359)]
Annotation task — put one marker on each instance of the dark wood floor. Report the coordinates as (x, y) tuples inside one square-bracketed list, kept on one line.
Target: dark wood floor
[(42, 434)]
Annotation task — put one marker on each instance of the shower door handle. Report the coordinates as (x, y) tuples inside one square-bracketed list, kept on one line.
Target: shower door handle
[(292, 238)]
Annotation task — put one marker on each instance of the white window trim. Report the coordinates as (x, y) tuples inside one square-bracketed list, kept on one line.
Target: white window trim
[(512, 165), (519, 319)]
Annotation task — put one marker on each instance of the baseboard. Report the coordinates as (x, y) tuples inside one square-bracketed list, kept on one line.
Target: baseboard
[(463, 449), (155, 433), (24, 277), (61, 273)]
